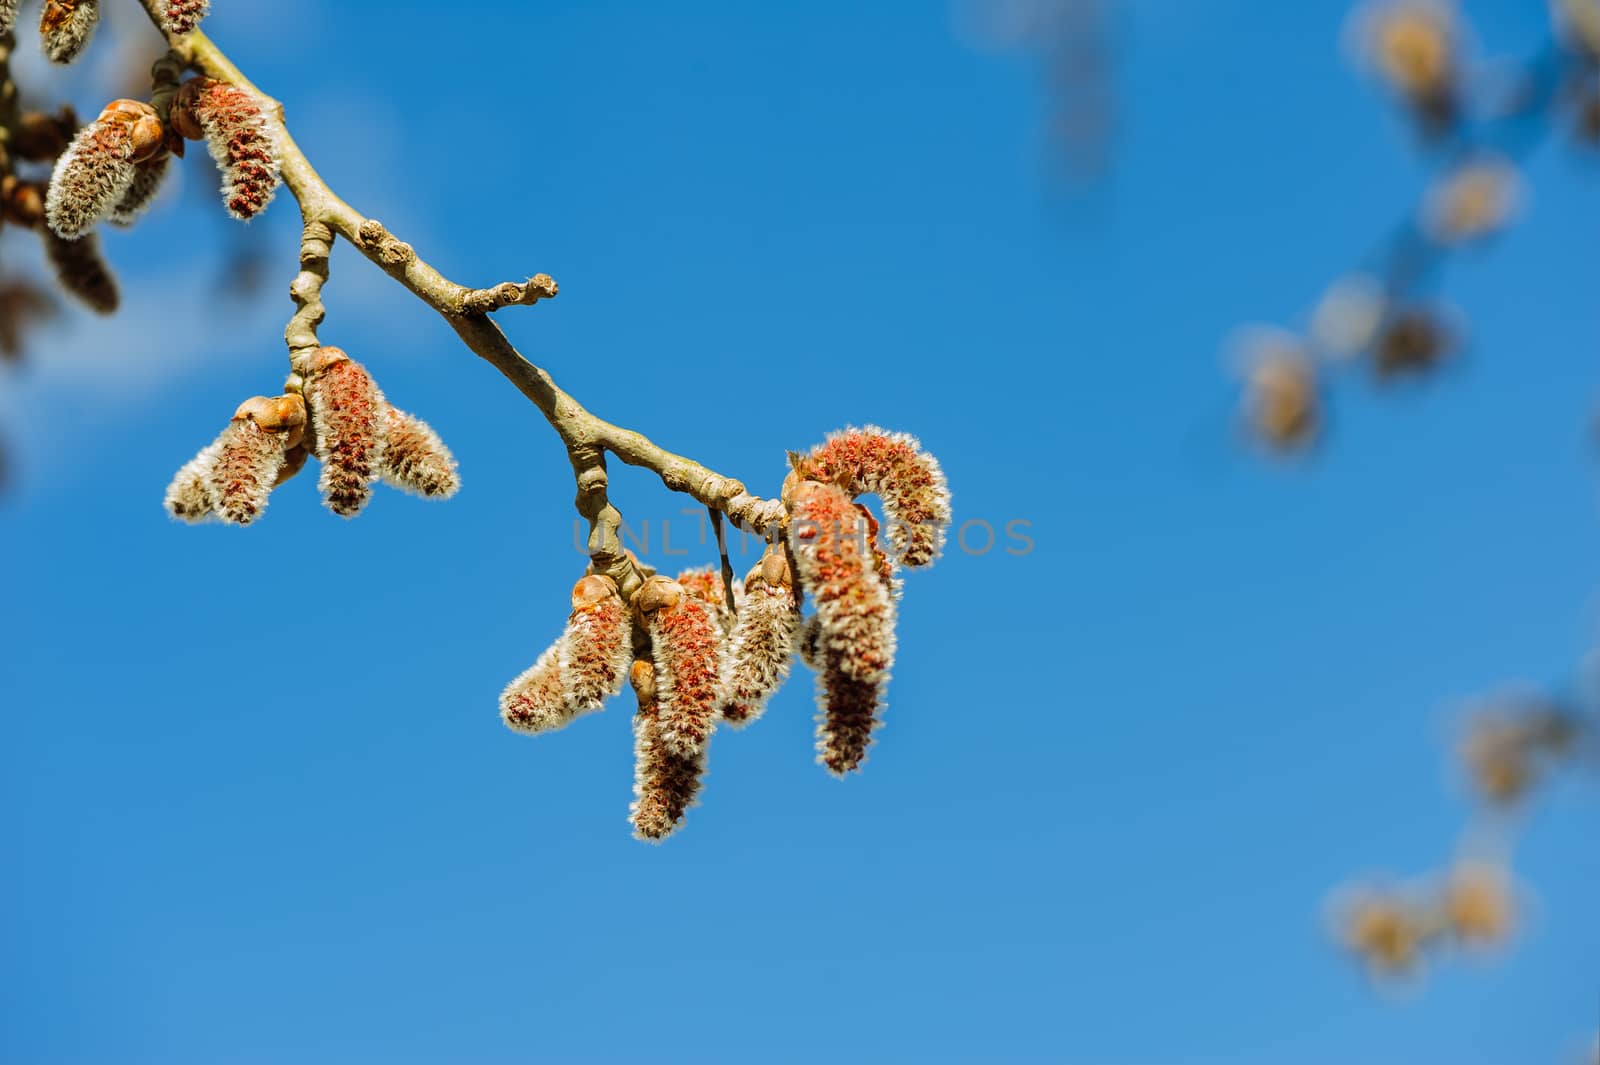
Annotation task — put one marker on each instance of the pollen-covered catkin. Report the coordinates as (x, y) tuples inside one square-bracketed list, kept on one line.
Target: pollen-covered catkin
[(347, 421), (234, 125), (534, 702), (182, 16), (597, 645), (665, 782), (758, 655), (894, 466), (91, 178), (65, 27), (415, 459), (251, 453), (189, 495), (854, 609), (81, 271), (848, 710), (141, 191), (686, 642)]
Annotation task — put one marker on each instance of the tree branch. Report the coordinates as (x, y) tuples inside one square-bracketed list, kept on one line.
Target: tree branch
[(586, 437)]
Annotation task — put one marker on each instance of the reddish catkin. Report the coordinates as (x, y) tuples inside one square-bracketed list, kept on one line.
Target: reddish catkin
[(234, 125), (597, 646), (347, 424), (250, 455), (82, 272), (893, 466), (534, 702), (848, 710), (141, 191), (855, 611), (686, 643), (761, 649), (705, 584), (182, 16), (415, 459), (665, 783), (65, 27)]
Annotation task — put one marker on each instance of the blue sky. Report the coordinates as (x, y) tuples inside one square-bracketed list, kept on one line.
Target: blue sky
[(257, 804)]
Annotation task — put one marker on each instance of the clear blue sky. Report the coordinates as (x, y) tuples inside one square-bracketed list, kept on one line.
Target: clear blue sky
[(257, 805)]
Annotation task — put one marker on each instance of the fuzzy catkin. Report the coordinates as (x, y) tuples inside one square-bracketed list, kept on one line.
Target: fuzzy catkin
[(90, 178), (189, 495), (239, 137), (665, 782), (8, 15), (81, 271), (686, 642), (848, 711), (534, 702), (245, 470), (182, 16), (915, 494), (65, 27), (415, 459), (346, 411), (141, 192), (597, 645), (854, 608), (760, 651)]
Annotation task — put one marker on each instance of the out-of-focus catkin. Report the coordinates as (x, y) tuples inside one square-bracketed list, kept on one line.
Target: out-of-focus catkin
[(182, 16), (686, 642), (665, 781), (894, 466), (347, 422), (65, 27), (597, 645), (534, 701), (415, 459), (82, 272), (8, 15), (141, 191), (234, 125), (758, 655)]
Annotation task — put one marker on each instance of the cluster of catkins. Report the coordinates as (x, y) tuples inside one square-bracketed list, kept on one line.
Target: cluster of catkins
[(335, 412), (702, 653), (1390, 929), (65, 26), (112, 168)]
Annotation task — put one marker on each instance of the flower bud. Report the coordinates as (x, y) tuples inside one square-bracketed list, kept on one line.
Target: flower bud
[(761, 649), (597, 646), (686, 640), (65, 27), (893, 466), (241, 140), (346, 411)]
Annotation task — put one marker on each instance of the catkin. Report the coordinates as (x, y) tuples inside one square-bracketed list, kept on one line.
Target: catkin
[(347, 421), (665, 781), (761, 649), (597, 645), (894, 466), (685, 639)]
